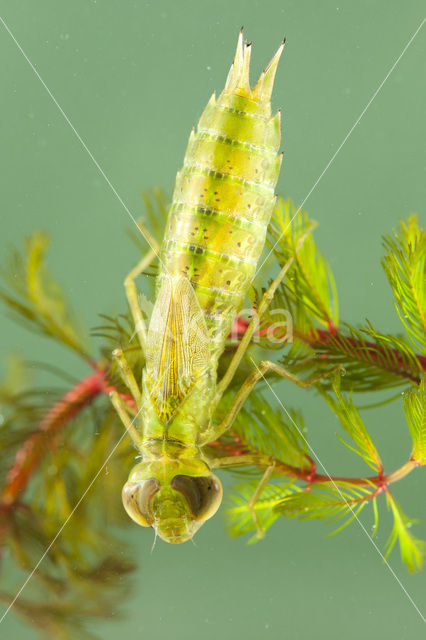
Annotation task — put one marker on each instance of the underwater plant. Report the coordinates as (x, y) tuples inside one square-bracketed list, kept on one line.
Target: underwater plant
[(56, 444)]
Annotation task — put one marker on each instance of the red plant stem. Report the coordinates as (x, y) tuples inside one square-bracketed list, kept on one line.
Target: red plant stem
[(380, 481), (31, 452), (237, 453), (321, 338)]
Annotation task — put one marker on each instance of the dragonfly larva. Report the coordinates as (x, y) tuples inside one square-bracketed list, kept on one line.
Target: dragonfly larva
[(222, 204)]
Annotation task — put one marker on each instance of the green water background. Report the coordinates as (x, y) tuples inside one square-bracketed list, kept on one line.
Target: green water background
[(133, 78)]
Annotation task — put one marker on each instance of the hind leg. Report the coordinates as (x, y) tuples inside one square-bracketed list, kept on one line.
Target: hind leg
[(255, 497), (248, 386), (254, 323)]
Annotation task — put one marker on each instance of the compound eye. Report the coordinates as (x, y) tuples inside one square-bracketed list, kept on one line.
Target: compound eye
[(203, 494), (137, 499)]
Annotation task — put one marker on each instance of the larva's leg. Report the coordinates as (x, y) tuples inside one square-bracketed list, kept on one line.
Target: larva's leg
[(249, 460), (244, 460), (248, 386), (254, 323), (121, 409), (132, 295), (255, 497), (232, 461), (153, 242), (127, 375)]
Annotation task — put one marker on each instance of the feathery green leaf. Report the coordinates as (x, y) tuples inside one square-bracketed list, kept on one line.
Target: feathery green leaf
[(405, 267), (309, 285), (352, 423), (371, 360), (412, 549), (38, 301), (415, 414), (325, 501)]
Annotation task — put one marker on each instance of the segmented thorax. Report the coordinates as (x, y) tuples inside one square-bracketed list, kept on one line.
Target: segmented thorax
[(224, 196)]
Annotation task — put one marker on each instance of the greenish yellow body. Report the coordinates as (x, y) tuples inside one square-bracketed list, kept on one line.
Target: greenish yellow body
[(222, 204)]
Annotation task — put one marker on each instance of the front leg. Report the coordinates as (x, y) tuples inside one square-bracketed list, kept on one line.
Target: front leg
[(132, 296), (127, 375), (130, 286), (248, 386), (121, 409)]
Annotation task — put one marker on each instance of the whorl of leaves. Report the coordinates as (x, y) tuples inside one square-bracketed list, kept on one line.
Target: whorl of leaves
[(36, 300), (306, 302), (84, 560), (309, 290), (415, 414), (372, 360), (86, 564), (326, 501), (405, 267), (351, 421)]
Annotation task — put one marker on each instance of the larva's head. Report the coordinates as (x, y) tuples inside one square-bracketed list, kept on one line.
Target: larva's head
[(238, 81), (175, 498)]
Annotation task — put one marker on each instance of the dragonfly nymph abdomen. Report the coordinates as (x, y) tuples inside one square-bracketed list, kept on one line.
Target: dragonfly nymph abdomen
[(224, 196), (221, 207)]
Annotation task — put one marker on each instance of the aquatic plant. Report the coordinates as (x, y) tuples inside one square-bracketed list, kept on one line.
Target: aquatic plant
[(56, 443)]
